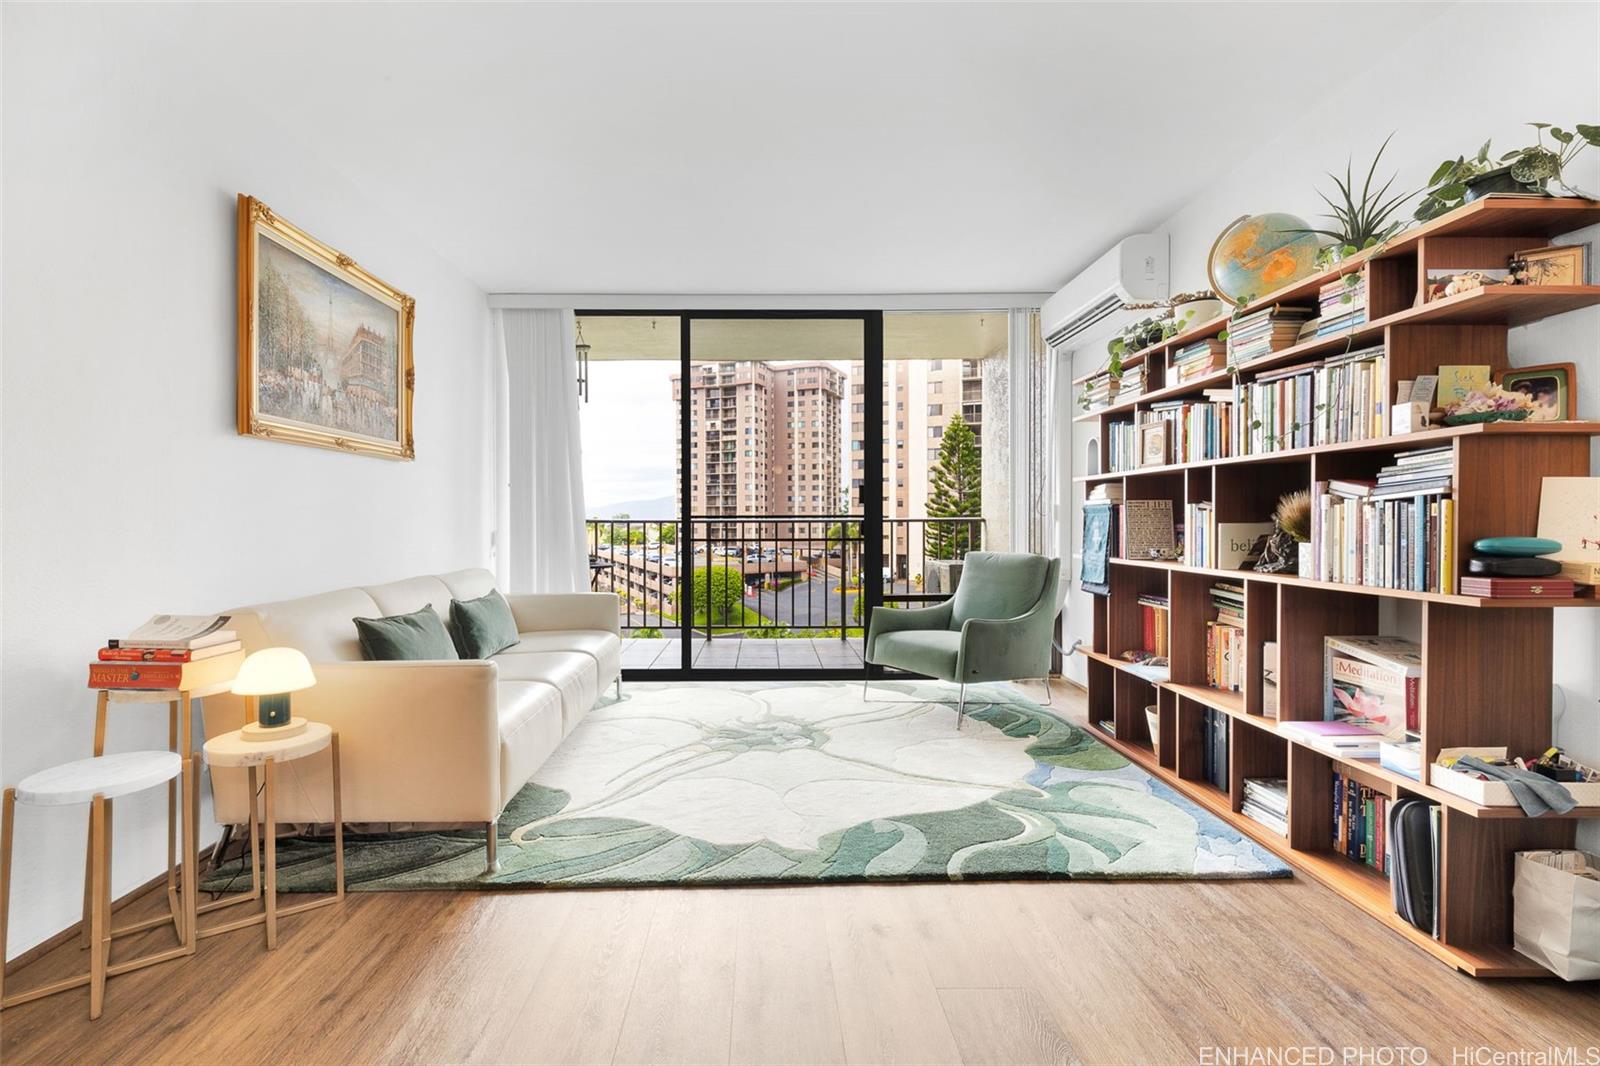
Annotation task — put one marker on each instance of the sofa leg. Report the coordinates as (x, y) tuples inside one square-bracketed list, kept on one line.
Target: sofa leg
[(961, 706), (491, 840), (619, 686)]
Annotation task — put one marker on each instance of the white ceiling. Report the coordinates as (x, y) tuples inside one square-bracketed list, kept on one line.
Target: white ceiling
[(776, 148)]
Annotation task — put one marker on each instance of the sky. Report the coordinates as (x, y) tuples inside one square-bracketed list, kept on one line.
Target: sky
[(630, 434)]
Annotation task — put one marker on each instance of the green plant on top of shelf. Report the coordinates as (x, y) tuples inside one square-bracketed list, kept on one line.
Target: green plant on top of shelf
[(1360, 222), (1526, 170), (1141, 335)]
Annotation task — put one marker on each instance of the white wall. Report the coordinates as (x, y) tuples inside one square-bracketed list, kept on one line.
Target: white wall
[(125, 489), (1408, 91)]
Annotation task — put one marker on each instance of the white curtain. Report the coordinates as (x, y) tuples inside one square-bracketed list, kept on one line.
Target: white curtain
[(541, 545)]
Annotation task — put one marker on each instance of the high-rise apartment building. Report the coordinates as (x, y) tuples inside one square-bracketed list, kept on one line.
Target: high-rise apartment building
[(920, 397), (765, 438)]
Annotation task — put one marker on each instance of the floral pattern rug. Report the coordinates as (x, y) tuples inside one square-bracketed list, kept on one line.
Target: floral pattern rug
[(766, 782)]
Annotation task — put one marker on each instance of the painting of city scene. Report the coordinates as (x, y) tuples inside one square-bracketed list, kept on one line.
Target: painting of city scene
[(327, 359)]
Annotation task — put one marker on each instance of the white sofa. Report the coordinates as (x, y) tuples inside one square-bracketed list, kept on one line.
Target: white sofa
[(446, 741)]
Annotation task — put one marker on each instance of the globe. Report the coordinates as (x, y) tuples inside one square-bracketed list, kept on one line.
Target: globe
[(1260, 253)]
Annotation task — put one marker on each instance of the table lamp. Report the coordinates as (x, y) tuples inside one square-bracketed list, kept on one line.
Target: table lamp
[(270, 675)]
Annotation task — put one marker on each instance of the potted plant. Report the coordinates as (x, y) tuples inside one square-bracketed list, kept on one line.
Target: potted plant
[(1190, 309), (1288, 546), (1359, 222), (1529, 170)]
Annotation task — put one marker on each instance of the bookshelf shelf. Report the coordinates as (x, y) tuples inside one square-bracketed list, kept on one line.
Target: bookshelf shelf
[(1486, 661)]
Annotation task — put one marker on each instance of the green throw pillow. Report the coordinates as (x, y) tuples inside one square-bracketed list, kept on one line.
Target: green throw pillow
[(483, 626), (418, 635)]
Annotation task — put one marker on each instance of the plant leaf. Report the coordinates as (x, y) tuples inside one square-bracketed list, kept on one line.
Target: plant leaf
[(1589, 133)]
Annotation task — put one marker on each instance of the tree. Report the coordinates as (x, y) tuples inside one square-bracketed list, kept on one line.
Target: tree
[(957, 492), (718, 594), (668, 532), (840, 532)]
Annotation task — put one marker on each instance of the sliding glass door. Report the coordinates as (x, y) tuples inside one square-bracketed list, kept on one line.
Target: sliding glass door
[(725, 464)]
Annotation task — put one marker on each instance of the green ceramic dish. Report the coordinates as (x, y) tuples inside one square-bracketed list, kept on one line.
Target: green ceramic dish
[(1485, 416)]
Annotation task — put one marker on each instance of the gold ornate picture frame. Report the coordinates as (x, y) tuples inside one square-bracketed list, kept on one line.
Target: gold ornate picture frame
[(324, 347)]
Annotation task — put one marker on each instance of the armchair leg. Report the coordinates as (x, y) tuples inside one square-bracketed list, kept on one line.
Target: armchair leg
[(491, 840), (961, 707), (1048, 696), (863, 690)]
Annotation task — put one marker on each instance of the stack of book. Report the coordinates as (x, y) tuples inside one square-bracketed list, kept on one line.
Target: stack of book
[(1199, 429), (1104, 389), (1266, 331), (1225, 638), (1198, 360), (1200, 534), (1154, 615), (1342, 740), (170, 652), (1396, 531), (1350, 397), (1131, 385), (1360, 823), (1214, 750), (1342, 304), (1266, 802), (1100, 391)]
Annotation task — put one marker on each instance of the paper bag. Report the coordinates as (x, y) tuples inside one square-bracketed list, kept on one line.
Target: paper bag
[(1556, 911)]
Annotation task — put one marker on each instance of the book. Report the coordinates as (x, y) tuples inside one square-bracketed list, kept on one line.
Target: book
[(1148, 530), (166, 655), (1569, 513), (1373, 682), (1238, 545), (1269, 678), (1342, 739), (217, 670), (1457, 382), (178, 631), (1546, 588)]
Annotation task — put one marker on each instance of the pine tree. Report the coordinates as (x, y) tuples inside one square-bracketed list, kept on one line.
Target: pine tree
[(957, 492)]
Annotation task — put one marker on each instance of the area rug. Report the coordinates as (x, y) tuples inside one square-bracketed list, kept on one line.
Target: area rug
[(784, 782)]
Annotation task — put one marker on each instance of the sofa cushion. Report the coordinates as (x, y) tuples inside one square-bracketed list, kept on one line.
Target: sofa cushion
[(604, 648), (418, 635), (572, 674), (922, 651), (467, 584), (482, 626), (530, 729)]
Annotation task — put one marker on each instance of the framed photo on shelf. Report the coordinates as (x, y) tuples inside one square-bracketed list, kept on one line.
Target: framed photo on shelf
[(1565, 264), (324, 346), (1154, 443), (1551, 387)]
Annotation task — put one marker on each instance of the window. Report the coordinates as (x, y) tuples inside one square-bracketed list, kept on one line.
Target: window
[(935, 410)]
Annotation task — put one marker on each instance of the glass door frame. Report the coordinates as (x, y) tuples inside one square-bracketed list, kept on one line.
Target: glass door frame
[(870, 494)]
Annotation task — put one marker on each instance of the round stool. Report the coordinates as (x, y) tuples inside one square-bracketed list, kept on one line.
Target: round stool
[(262, 750), (97, 782)]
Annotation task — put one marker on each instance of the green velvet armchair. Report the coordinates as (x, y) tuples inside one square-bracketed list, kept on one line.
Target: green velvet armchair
[(997, 627)]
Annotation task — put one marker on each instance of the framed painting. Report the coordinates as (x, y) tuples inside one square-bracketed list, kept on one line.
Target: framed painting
[(1551, 388), (324, 347)]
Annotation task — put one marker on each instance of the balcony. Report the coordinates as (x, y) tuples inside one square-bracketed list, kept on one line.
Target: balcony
[(792, 580)]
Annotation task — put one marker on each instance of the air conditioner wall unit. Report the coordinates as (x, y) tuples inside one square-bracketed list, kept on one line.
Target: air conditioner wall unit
[(1135, 270)]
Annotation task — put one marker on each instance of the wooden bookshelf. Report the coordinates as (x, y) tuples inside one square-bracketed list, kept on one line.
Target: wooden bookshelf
[(1487, 662)]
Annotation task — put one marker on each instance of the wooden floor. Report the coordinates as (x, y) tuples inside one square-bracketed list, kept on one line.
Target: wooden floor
[(977, 973)]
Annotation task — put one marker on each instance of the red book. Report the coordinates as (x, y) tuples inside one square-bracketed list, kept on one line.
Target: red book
[(1549, 588), (165, 655), (135, 675), (1149, 613)]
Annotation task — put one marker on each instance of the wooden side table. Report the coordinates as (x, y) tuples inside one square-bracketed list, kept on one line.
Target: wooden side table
[(180, 725), (235, 749)]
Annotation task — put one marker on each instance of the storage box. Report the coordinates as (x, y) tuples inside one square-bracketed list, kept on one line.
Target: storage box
[(1498, 793)]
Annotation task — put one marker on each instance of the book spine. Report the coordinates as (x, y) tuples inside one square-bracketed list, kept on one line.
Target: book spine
[(144, 655), (1413, 713)]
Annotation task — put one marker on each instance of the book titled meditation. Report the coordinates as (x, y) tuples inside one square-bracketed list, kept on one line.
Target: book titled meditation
[(1372, 682)]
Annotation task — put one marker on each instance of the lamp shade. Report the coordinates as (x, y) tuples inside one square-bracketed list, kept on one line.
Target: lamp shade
[(273, 670)]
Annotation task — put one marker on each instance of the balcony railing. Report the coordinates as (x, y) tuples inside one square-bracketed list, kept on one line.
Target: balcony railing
[(766, 575)]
